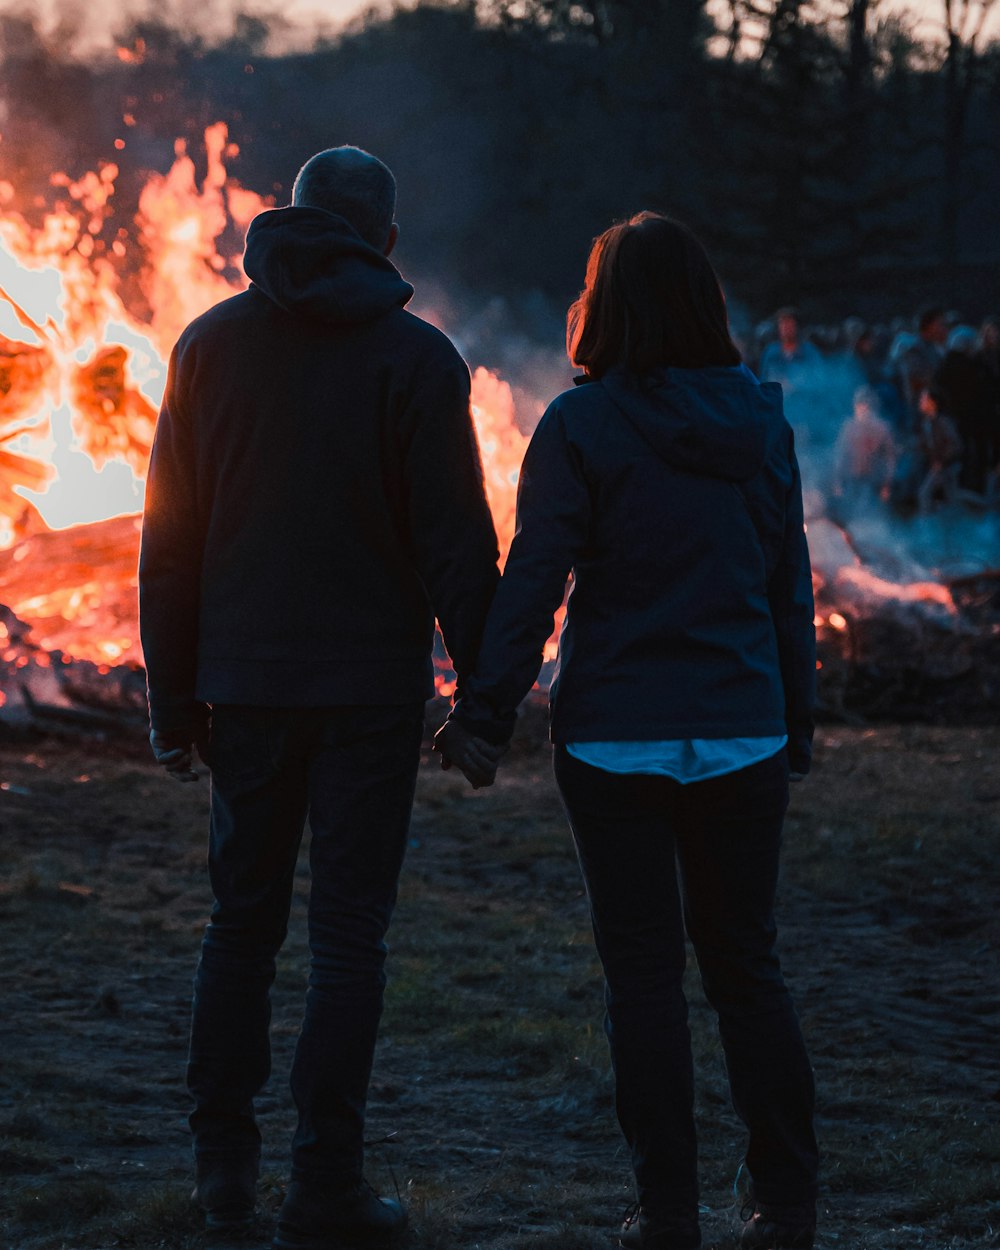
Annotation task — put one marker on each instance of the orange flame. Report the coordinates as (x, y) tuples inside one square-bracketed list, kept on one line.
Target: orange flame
[(502, 446), (80, 377)]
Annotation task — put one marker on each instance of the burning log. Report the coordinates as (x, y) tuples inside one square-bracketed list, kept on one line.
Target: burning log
[(49, 692), (909, 650), (76, 589), (69, 649)]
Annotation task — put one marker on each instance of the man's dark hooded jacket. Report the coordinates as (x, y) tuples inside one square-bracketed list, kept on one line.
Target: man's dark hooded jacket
[(675, 499), (315, 494)]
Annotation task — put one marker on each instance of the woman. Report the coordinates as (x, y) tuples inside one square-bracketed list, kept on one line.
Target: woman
[(667, 484)]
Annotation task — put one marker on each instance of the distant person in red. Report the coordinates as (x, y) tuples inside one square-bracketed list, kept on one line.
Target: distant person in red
[(865, 456), (315, 500), (666, 481)]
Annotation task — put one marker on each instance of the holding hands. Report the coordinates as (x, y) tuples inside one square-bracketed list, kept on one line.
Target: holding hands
[(476, 759)]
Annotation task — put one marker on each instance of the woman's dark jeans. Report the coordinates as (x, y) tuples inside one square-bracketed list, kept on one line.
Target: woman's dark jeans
[(633, 833), (353, 771)]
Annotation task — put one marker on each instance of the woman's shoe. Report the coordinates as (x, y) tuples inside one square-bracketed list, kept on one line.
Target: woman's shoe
[(641, 1231), (771, 1227)]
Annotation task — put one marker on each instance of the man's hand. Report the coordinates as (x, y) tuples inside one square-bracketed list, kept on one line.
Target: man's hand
[(477, 759), (174, 751)]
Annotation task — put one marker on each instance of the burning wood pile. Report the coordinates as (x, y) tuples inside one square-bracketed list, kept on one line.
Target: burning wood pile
[(80, 383), (909, 648)]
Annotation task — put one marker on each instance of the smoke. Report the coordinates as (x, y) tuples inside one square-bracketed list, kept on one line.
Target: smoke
[(896, 543), (520, 338)]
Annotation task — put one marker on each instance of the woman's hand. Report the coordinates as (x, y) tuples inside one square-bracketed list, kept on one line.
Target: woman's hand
[(476, 759)]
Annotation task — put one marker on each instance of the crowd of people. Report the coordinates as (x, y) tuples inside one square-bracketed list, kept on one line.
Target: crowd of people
[(925, 428)]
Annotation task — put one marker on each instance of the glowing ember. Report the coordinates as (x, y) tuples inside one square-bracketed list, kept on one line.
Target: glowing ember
[(876, 588)]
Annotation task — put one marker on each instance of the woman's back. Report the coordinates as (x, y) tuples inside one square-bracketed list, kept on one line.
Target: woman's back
[(675, 500)]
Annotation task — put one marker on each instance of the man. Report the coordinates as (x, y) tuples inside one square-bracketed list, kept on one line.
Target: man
[(315, 499), (967, 386), (790, 360), (916, 367), (864, 458), (797, 365)]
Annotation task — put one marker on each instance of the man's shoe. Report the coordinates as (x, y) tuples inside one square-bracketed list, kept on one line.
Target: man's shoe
[(772, 1227), (226, 1191), (641, 1231), (351, 1218)]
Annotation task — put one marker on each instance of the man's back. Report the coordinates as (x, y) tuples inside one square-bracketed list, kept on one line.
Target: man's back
[(314, 458)]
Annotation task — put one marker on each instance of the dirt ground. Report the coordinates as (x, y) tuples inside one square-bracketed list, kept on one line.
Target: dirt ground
[(491, 1080)]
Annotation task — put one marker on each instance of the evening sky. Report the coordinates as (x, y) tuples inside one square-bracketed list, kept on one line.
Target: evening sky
[(103, 16)]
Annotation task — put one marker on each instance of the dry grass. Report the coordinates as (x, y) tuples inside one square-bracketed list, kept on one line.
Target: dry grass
[(492, 1071)]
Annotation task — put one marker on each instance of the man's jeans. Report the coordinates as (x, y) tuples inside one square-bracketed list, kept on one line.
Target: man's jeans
[(353, 771), (632, 834)]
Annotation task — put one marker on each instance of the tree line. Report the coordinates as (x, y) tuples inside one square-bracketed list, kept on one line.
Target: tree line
[(828, 156)]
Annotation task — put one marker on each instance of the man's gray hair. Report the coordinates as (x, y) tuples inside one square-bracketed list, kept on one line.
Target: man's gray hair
[(355, 185)]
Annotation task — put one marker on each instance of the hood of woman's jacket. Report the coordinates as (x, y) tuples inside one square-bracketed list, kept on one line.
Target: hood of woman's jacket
[(315, 264), (716, 421)]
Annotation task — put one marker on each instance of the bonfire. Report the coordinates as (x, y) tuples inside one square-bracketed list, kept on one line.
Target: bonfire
[(81, 379)]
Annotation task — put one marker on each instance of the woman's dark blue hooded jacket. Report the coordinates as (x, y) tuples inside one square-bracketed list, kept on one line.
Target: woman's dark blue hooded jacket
[(315, 495), (675, 500)]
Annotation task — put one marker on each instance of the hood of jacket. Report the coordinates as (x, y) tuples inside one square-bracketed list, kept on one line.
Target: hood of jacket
[(315, 264), (714, 421)]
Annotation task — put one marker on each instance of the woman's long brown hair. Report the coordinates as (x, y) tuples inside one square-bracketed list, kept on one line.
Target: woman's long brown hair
[(651, 299)]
